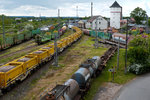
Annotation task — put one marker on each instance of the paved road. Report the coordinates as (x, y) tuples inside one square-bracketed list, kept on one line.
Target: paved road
[(138, 89)]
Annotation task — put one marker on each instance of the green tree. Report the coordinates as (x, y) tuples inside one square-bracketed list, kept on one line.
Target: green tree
[(149, 22), (138, 14)]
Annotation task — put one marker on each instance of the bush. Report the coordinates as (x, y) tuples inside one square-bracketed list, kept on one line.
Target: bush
[(139, 54)]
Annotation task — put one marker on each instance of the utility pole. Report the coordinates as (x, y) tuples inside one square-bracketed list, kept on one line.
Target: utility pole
[(77, 11), (58, 13), (126, 48), (91, 9), (58, 21), (56, 51), (147, 23), (96, 41), (118, 54), (3, 29)]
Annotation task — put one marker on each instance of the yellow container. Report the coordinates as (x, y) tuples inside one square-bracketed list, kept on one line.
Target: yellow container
[(9, 73), (50, 49), (41, 55), (29, 62)]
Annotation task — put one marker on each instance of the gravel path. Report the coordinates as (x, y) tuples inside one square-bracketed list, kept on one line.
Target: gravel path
[(107, 91)]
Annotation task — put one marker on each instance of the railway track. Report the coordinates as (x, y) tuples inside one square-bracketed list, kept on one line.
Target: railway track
[(77, 86), (112, 43), (69, 43)]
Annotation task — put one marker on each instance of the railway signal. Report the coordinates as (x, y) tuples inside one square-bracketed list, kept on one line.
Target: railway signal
[(112, 72)]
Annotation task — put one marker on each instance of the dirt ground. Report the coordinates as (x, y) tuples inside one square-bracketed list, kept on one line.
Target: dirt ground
[(107, 91)]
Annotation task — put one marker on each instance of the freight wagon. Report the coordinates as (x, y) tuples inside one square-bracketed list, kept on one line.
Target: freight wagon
[(114, 37), (42, 38), (19, 38), (79, 83), (20, 68)]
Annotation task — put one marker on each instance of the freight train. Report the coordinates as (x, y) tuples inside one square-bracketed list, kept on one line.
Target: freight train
[(114, 37), (79, 83), (20, 68), (19, 38)]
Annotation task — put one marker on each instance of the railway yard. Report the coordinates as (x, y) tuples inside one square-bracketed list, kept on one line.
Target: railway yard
[(45, 78), (66, 50)]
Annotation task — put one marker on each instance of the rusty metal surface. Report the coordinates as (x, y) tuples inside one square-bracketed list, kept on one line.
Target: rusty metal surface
[(107, 55), (56, 93)]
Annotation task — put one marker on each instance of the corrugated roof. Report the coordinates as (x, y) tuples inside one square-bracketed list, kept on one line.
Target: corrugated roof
[(115, 4)]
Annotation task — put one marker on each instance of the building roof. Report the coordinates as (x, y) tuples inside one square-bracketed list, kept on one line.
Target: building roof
[(93, 18), (115, 4), (82, 21)]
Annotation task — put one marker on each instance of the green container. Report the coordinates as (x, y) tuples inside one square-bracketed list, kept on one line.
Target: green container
[(35, 32), (93, 33), (8, 41), (20, 37), (28, 35), (46, 38)]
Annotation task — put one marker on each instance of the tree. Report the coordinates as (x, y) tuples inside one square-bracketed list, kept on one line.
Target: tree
[(149, 22), (138, 14)]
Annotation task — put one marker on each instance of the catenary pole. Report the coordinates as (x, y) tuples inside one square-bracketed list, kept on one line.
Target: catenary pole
[(3, 29), (126, 48)]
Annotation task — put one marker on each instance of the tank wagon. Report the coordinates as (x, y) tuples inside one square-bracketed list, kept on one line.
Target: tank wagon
[(20, 68), (79, 83)]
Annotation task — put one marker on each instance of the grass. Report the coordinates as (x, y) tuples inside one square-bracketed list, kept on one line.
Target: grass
[(119, 77), (15, 56)]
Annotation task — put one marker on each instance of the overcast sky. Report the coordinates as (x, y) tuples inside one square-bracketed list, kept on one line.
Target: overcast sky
[(67, 7)]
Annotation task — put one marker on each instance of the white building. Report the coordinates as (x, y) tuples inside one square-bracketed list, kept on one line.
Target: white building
[(115, 15), (97, 21)]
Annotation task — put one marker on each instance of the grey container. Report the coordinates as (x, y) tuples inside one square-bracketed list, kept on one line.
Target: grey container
[(82, 75), (73, 89), (97, 61), (89, 67)]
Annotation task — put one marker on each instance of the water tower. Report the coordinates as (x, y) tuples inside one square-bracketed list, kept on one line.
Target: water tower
[(115, 15)]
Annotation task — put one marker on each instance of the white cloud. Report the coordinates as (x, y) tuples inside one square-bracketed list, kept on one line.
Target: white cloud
[(69, 9)]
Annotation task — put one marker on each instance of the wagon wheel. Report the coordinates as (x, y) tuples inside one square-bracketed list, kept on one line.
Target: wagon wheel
[(24, 76)]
